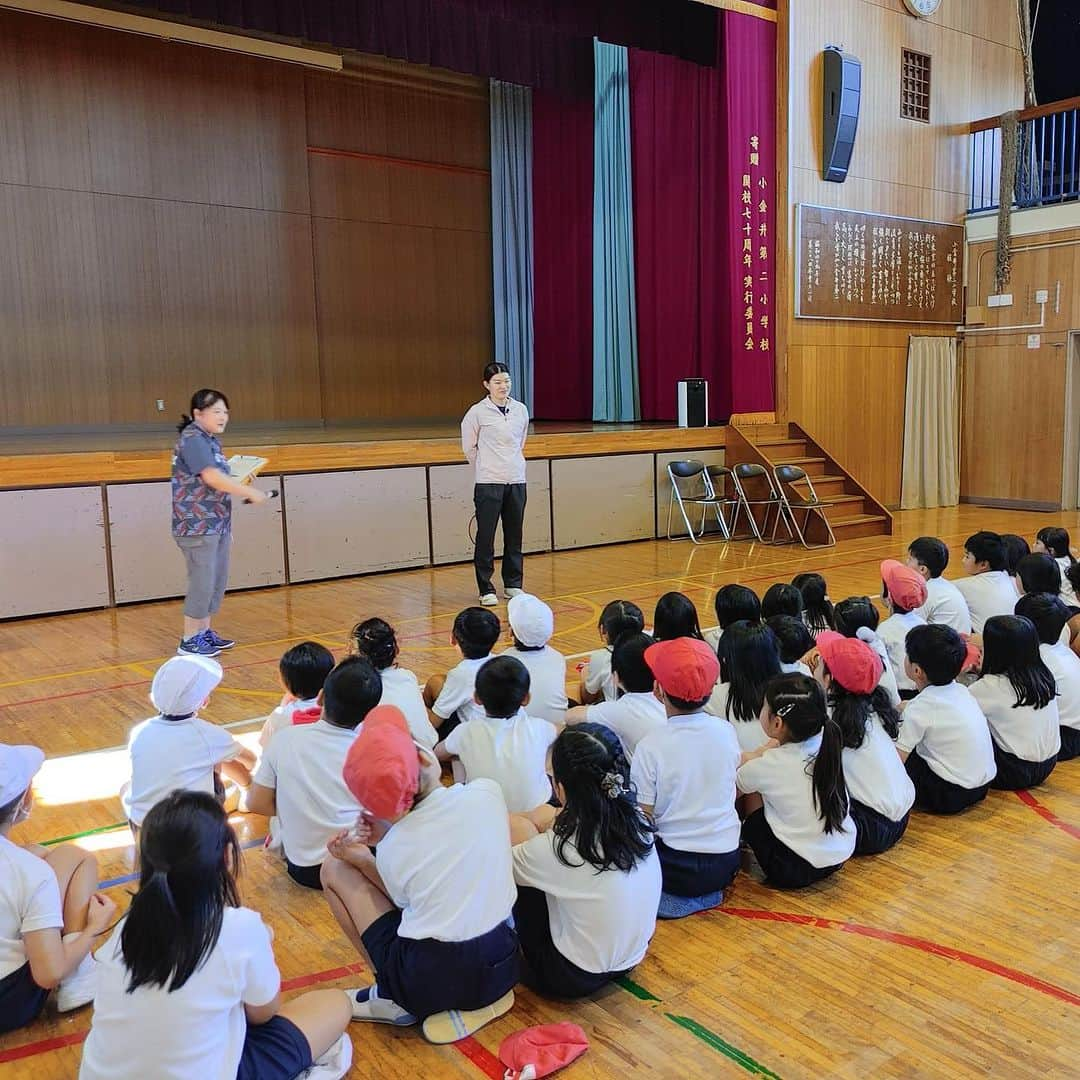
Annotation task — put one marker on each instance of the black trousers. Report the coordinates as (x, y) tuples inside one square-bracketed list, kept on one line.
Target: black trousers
[(494, 502)]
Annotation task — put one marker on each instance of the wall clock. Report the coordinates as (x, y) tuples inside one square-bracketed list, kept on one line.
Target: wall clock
[(922, 8)]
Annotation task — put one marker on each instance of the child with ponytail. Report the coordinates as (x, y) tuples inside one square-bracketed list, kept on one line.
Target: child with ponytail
[(588, 887), (749, 656), (188, 986), (817, 608), (796, 801)]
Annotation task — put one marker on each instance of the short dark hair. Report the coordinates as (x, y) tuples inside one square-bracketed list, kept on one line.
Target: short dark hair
[(475, 631), (502, 684), (736, 602), (939, 650), (855, 612), (628, 663), (375, 639), (304, 668), (1048, 612), (1016, 547), (781, 599), (493, 369), (682, 705), (986, 547), (793, 636), (675, 617), (350, 692), (930, 552), (1039, 572)]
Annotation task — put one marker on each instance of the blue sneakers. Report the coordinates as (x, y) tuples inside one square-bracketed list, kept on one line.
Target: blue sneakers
[(220, 642), (199, 645)]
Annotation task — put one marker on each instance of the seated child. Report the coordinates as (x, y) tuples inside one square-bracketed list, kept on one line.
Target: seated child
[(1016, 548), (675, 617), (505, 745), (299, 777), (176, 749), (1050, 615), (429, 910), (794, 640), (857, 617), (1055, 543), (749, 657), (532, 624), (881, 792), (928, 556), (904, 592), (188, 983), (588, 887), (944, 740), (450, 696), (637, 710), (781, 599), (988, 590), (1017, 694), (50, 912), (302, 671), (734, 603), (618, 617), (684, 775), (795, 799), (375, 639), (817, 608)]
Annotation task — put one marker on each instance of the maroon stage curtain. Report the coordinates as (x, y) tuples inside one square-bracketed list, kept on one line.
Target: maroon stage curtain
[(562, 257)]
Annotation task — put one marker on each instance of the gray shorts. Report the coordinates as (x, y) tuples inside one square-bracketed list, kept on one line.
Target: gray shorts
[(207, 559)]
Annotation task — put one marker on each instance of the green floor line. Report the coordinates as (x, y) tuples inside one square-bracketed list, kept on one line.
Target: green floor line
[(632, 987), (732, 1052), (86, 832)]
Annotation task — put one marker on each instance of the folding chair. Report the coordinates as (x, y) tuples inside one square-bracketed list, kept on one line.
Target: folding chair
[(754, 488), (691, 486), (795, 501)]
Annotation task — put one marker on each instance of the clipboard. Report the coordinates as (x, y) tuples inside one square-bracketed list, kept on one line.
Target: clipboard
[(245, 469)]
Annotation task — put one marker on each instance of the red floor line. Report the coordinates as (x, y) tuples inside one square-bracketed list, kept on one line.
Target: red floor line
[(17, 1053), (481, 1057), (1047, 814), (922, 944)]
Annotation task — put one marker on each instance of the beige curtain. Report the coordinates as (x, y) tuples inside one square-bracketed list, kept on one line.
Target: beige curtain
[(931, 424)]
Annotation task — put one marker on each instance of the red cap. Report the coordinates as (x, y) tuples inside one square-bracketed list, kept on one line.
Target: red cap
[(685, 668), (904, 586), (852, 663), (381, 768)]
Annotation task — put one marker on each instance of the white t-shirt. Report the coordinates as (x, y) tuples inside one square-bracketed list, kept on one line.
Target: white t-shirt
[(893, 632), (685, 771), (876, 776), (447, 863), (601, 921), (400, 688), (173, 755), (457, 693), (29, 901), (1068, 593), (712, 637), (1065, 665), (281, 718), (303, 767), (547, 682), (598, 674), (1029, 733), (510, 751), (631, 717), (946, 728), (196, 1031), (783, 778), (797, 668), (945, 605), (749, 733), (989, 594)]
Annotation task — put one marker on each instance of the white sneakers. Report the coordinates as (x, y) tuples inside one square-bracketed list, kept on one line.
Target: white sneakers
[(79, 987), (334, 1064), (367, 1005), (511, 593), (489, 599)]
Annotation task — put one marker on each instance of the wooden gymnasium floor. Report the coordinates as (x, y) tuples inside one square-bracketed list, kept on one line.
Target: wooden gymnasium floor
[(953, 955)]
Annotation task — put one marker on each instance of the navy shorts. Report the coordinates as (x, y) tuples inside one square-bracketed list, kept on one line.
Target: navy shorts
[(874, 832), (21, 999), (1016, 774), (783, 868), (937, 795), (1070, 744), (308, 876), (545, 969), (276, 1050), (428, 976), (693, 873)]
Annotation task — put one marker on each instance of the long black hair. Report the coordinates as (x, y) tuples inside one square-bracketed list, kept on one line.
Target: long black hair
[(620, 617), (188, 856), (1039, 572), (735, 602), (1056, 541), (854, 712), (852, 614), (600, 814), (817, 608), (1011, 648), (799, 702), (201, 399), (375, 639), (749, 657), (675, 617)]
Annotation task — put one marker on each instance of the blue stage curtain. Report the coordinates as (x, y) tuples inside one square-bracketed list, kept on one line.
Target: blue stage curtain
[(615, 353), (512, 232)]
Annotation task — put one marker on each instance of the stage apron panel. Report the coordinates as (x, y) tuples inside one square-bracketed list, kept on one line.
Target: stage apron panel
[(603, 500)]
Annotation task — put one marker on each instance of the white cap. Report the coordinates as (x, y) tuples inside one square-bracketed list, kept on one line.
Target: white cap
[(531, 620), (18, 766), (183, 683)]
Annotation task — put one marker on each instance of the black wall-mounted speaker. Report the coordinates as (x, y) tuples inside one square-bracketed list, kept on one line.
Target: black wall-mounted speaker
[(842, 90)]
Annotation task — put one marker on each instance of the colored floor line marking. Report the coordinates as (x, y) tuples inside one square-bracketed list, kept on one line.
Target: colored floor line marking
[(733, 1053), (634, 988), (1047, 814), (86, 832), (481, 1057), (922, 944), (123, 879), (322, 976)]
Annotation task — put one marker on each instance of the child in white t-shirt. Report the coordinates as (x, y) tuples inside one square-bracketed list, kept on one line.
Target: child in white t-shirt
[(188, 986), (857, 617), (506, 744), (904, 593), (588, 886), (176, 749), (988, 589), (749, 656), (50, 912), (733, 603), (302, 671), (1017, 694), (1055, 543), (794, 641), (376, 640), (450, 697), (430, 909), (928, 556), (532, 623), (618, 617)]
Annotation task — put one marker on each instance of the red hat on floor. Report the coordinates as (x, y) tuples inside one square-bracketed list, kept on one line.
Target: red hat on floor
[(852, 663), (381, 768), (684, 667), (540, 1051), (904, 586)]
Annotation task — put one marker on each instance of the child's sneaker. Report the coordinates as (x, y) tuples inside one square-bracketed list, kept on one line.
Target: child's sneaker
[(367, 1005), (453, 1026), (489, 599), (334, 1064), (79, 987), (198, 645), (219, 641)]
